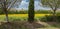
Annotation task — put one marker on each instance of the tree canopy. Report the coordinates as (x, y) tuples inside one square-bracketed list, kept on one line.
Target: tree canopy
[(54, 4), (10, 3)]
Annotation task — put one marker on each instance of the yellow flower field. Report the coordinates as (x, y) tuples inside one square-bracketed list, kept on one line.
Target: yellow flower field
[(20, 16), (25, 15)]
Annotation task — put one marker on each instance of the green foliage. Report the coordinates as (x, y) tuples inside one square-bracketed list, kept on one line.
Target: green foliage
[(17, 19), (43, 12), (53, 4), (18, 12), (1, 12), (49, 19), (31, 12), (58, 13), (26, 12), (58, 18)]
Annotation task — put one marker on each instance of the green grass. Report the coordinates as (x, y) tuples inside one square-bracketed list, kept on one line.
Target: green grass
[(21, 17)]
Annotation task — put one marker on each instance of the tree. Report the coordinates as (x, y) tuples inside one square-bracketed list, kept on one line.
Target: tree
[(6, 5), (53, 4), (31, 11)]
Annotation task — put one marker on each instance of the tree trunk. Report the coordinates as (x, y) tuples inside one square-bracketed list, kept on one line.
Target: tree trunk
[(5, 10), (6, 13), (31, 11), (54, 15)]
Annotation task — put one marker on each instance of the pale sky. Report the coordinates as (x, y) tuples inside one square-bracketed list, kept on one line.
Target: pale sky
[(25, 3)]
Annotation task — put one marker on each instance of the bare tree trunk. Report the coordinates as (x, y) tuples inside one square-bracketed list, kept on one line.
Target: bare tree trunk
[(6, 13), (54, 15), (5, 10)]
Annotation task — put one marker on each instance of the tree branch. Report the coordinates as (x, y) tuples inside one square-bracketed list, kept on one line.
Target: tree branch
[(50, 5), (11, 5)]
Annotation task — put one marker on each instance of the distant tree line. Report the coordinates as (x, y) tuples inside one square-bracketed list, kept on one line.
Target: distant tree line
[(26, 12)]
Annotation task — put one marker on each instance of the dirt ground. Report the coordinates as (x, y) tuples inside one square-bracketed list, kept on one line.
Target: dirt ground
[(27, 25)]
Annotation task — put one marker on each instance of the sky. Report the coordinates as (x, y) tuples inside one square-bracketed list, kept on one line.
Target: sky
[(25, 3)]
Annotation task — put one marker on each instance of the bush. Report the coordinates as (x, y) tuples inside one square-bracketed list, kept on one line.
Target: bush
[(46, 18), (49, 19), (58, 18)]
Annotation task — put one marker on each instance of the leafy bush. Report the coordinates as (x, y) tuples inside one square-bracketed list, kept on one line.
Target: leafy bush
[(50, 19), (58, 18), (46, 18)]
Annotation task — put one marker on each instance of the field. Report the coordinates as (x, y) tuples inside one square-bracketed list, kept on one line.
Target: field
[(20, 16)]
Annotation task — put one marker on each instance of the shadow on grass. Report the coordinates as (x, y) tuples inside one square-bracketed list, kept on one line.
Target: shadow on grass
[(20, 25)]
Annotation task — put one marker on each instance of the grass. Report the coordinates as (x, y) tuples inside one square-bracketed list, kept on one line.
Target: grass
[(20, 16)]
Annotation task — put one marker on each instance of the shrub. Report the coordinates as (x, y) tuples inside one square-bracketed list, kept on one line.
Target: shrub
[(50, 19), (46, 18), (58, 18)]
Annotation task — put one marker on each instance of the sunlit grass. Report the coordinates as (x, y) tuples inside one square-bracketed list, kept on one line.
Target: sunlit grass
[(20, 16)]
